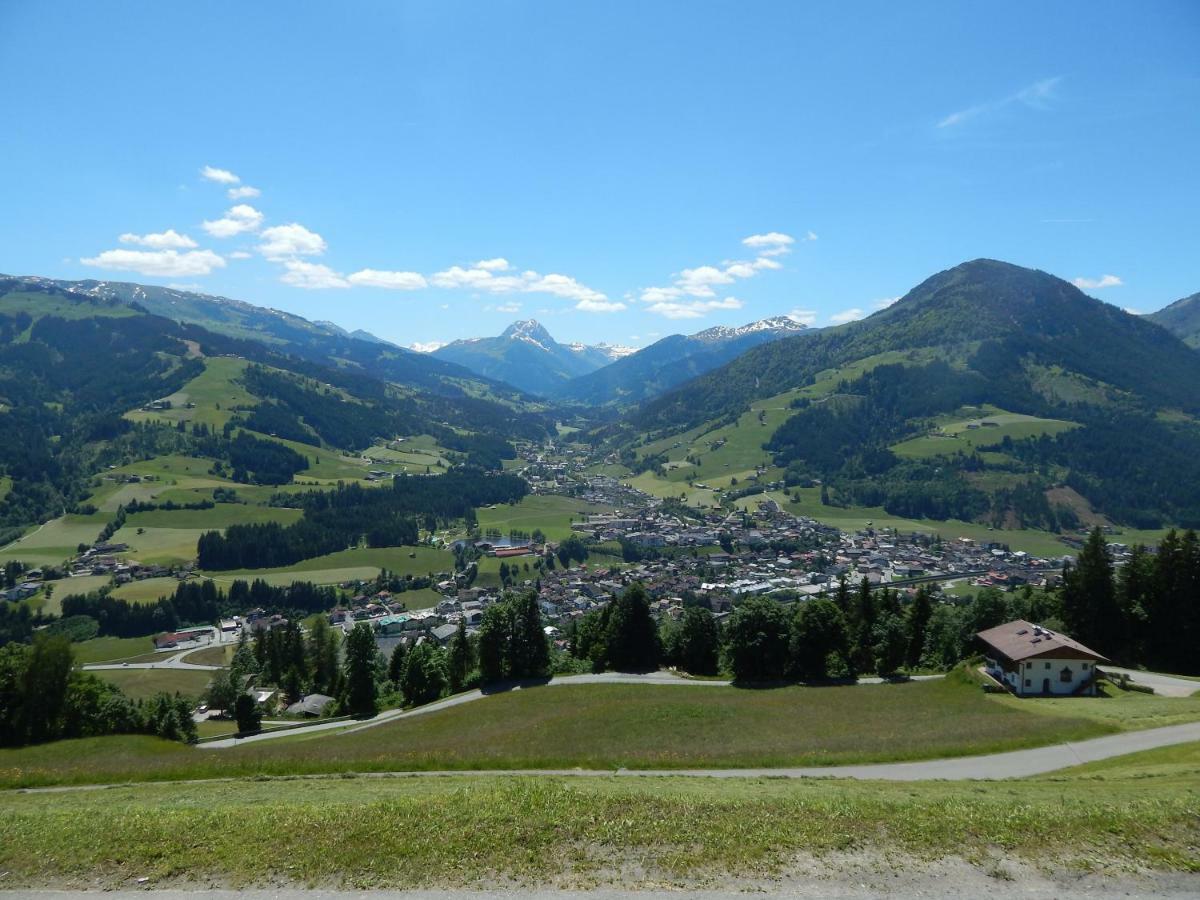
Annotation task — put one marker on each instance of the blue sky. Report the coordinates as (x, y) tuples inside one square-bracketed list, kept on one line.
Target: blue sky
[(616, 170)]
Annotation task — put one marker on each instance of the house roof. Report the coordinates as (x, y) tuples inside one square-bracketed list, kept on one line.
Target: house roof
[(1019, 640)]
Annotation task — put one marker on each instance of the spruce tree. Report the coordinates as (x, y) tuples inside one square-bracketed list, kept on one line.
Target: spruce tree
[(361, 654), (632, 639), (459, 659)]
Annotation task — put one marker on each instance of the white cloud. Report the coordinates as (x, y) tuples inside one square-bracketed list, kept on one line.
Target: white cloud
[(311, 276), (692, 309), (284, 241), (426, 346), (702, 281), (884, 303), (1095, 284), (169, 263), (188, 286), (508, 308), (221, 176), (243, 192), (395, 281), (600, 306), (810, 236), (846, 315), (240, 254), (163, 240), (237, 220), (498, 264), (769, 240), (1035, 96), (482, 277), (803, 316)]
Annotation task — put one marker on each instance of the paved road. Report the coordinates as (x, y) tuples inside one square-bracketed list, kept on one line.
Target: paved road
[(1164, 685), (393, 715), (174, 661)]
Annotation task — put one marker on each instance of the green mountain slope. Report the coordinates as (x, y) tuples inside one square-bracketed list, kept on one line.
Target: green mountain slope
[(1182, 319), (318, 341), (86, 383), (983, 333)]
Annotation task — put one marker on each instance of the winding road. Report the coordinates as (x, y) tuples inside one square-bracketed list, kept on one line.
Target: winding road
[(1012, 764), (174, 661)]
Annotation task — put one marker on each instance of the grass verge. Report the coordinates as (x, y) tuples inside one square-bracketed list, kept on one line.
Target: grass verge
[(1140, 813)]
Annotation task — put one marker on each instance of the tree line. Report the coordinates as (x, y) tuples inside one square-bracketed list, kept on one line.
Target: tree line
[(44, 697)]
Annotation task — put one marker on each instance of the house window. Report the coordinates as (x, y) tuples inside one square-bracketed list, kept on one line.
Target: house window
[(1047, 665), (1065, 675), (1083, 666), (1029, 665), (1026, 682)]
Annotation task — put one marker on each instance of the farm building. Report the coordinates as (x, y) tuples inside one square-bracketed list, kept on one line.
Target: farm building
[(1034, 661)]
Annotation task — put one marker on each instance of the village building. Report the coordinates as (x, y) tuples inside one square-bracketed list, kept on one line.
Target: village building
[(1034, 661)]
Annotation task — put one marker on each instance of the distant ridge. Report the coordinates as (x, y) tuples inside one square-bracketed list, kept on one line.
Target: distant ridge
[(526, 356), (671, 361)]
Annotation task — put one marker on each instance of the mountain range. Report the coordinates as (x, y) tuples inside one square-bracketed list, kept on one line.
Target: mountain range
[(670, 362), (528, 357), (1107, 403)]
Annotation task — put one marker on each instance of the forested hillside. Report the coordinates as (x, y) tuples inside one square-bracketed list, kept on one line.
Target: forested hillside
[(73, 367), (878, 405)]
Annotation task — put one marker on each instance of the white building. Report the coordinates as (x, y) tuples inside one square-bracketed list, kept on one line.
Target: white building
[(1033, 661)]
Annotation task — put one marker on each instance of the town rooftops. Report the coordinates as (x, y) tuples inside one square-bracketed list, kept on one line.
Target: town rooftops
[(1023, 640)]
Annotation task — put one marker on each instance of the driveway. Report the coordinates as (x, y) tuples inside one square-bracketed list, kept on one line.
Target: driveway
[(1164, 685)]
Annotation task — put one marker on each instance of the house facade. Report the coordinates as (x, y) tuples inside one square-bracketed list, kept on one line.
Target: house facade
[(1031, 660)]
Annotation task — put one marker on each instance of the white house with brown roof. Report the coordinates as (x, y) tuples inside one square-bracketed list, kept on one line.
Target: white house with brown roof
[(1034, 661)]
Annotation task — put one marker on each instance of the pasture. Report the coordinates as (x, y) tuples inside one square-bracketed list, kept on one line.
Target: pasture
[(552, 513), (349, 565), (607, 726), (143, 683), (1135, 812), (966, 435)]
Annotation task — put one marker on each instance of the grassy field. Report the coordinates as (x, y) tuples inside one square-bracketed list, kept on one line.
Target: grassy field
[(56, 540), (142, 683), (1127, 710), (214, 393), (350, 565), (549, 512), (955, 435), (111, 649), (211, 656), (604, 727), (1137, 812)]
